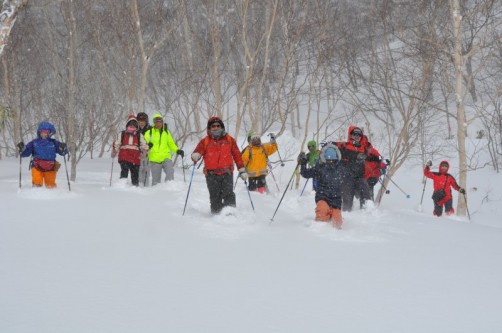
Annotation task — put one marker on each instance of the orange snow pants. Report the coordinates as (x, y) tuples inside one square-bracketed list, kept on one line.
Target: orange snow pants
[(38, 177), (324, 213)]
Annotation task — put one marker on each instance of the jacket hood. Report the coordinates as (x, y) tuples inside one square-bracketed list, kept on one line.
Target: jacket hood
[(447, 168), (132, 121), (351, 129), (213, 120), (46, 126), (312, 143)]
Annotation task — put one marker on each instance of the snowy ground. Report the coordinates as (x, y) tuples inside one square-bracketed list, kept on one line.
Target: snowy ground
[(123, 259)]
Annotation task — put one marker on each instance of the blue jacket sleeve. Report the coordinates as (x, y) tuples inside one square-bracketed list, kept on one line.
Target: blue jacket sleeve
[(28, 151)]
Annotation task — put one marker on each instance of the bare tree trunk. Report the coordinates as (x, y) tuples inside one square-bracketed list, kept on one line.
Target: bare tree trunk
[(459, 93)]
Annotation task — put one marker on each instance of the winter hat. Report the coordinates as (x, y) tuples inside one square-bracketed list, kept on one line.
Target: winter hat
[(253, 135), (213, 120), (330, 154), (142, 117)]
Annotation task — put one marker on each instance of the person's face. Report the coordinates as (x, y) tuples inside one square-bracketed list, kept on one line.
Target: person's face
[(44, 134), (356, 136), (215, 126), (158, 123), (443, 167), (141, 123), (311, 148)]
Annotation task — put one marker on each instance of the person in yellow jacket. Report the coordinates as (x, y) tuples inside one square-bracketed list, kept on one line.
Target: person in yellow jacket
[(161, 145), (255, 158)]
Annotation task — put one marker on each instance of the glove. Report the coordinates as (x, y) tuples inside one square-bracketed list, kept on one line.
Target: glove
[(21, 146), (272, 137), (387, 161), (302, 158), (383, 171), (243, 174), (150, 145), (195, 157), (62, 146), (462, 190), (429, 163), (181, 153)]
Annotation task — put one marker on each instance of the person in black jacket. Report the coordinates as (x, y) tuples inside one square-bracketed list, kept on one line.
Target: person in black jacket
[(144, 167), (328, 196)]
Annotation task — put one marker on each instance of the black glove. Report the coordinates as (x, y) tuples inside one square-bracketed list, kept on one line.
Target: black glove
[(150, 145), (302, 158), (461, 190), (272, 137), (429, 163), (181, 153), (62, 146), (21, 146), (387, 161)]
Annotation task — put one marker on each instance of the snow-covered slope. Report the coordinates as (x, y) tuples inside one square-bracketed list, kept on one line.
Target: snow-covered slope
[(123, 259)]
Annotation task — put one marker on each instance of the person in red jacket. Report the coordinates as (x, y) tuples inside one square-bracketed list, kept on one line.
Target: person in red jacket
[(443, 182), (219, 151), (355, 153), (373, 170)]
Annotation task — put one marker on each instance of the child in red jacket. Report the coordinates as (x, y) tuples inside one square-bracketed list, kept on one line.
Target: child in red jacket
[(443, 182)]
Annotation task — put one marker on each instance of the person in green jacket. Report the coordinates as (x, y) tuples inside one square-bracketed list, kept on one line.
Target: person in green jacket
[(312, 158), (161, 145)]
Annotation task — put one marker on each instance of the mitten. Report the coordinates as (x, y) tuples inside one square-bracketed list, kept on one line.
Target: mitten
[(429, 163), (243, 174), (195, 157), (462, 190), (181, 153), (272, 137)]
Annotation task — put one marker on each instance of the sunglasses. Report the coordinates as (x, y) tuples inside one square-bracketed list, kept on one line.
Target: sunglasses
[(157, 120), (215, 126), (357, 135)]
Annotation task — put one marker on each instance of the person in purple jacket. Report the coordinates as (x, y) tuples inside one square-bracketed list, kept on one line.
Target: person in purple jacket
[(43, 165)]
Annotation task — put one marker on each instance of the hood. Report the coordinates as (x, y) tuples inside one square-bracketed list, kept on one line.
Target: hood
[(352, 128), (131, 120), (46, 126), (312, 143), (213, 120), (448, 166)]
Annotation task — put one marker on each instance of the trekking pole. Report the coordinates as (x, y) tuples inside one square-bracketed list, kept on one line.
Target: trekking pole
[(189, 186), (235, 184), (400, 189), (292, 176), (249, 194), (467, 207), (111, 173), (280, 158), (423, 191), (146, 166), (385, 188), (20, 166), (183, 167), (67, 177), (304, 186), (273, 177)]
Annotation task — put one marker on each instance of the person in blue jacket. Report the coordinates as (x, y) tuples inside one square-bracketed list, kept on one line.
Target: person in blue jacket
[(328, 173), (43, 165)]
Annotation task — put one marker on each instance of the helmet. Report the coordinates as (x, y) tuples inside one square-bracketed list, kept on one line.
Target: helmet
[(330, 154)]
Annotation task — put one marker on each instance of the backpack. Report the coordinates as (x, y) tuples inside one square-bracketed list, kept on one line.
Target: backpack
[(250, 150), (138, 132)]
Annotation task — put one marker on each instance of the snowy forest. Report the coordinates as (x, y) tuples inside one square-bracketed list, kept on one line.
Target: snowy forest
[(423, 78)]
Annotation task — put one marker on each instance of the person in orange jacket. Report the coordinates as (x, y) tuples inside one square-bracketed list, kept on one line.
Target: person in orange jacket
[(443, 182), (220, 152), (255, 158)]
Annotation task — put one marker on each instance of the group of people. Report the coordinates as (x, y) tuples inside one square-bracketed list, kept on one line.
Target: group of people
[(145, 150), (340, 171)]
